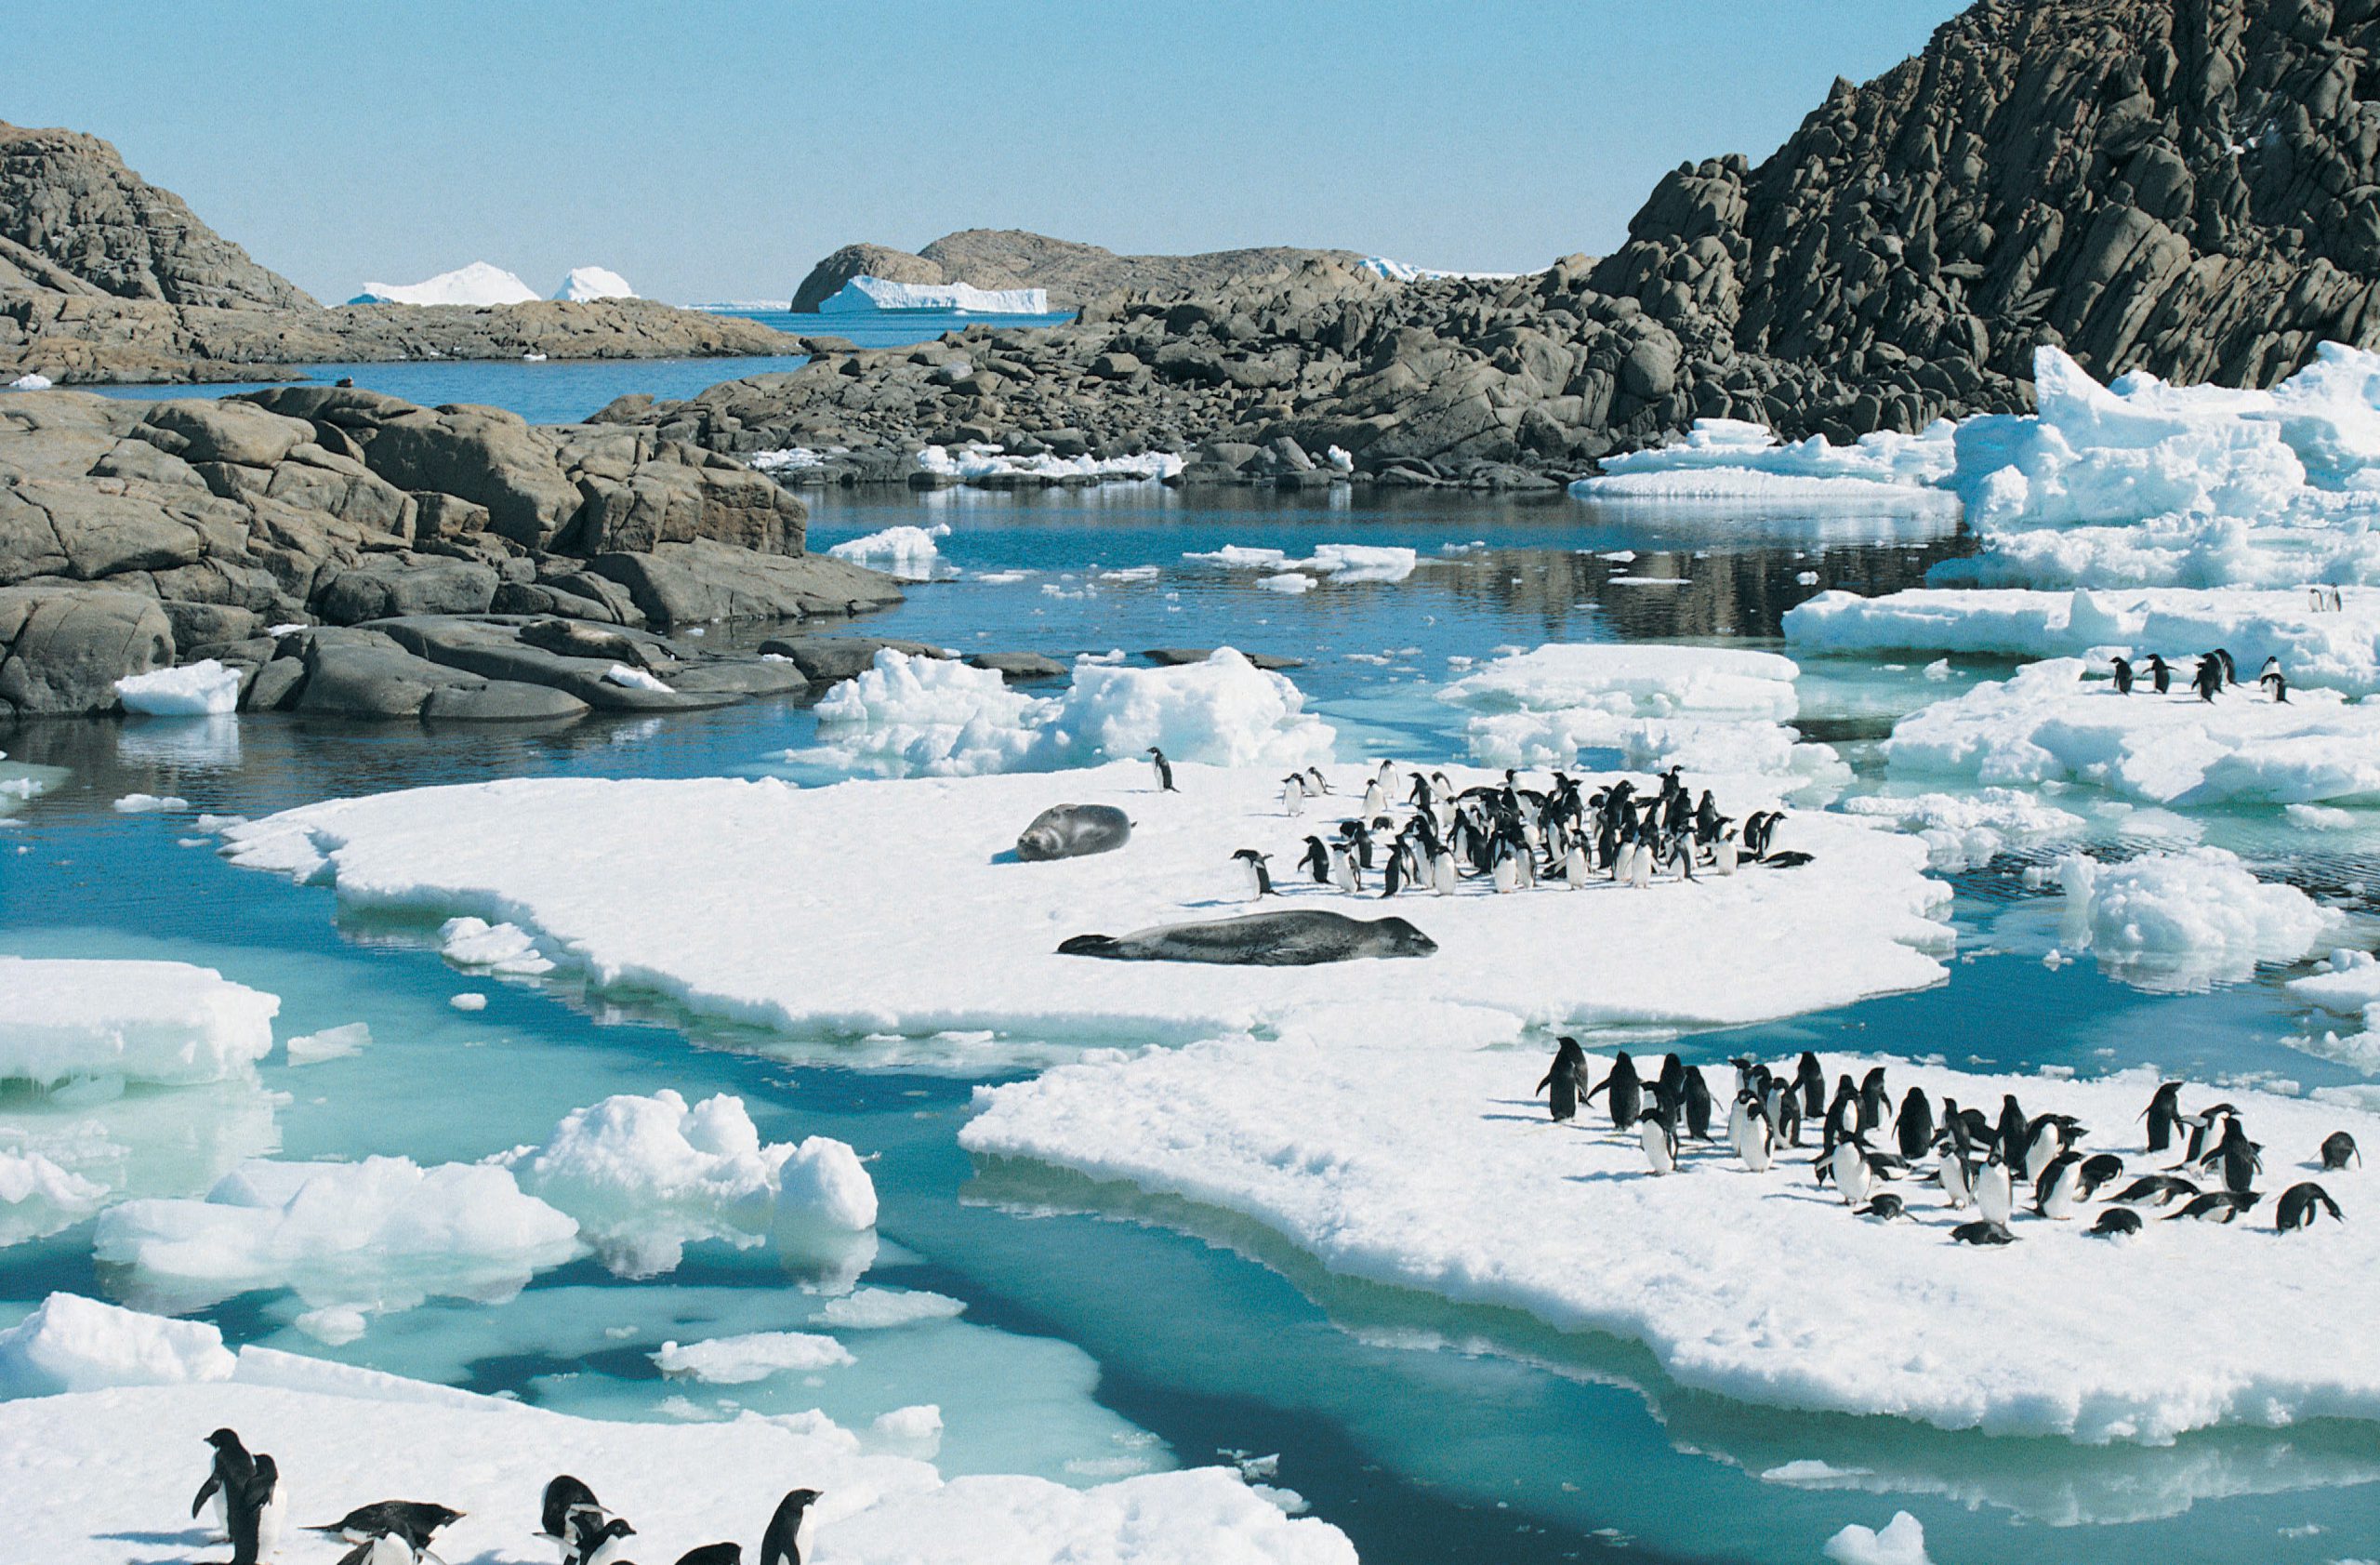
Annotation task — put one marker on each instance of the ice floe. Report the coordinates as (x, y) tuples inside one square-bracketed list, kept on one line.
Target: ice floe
[(491, 947), (704, 879), (31, 382), (1900, 1541), (67, 1152), (1962, 830), (2348, 987), (1338, 562), (1433, 1169), (908, 554), (2057, 721), (979, 459), (205, 688), (1730, 458), (478, 285), (163, 1022), (938, 716), (70, 1343), (583, 285), (150, 805), (739, 1360), (330, 1043), (863, 294), (2177, 920)]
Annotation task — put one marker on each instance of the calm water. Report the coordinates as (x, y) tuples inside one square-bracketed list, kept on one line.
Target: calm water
[(1105, 1329)]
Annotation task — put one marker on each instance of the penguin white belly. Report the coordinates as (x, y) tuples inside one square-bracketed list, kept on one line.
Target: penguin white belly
[(1723, 857), (1442, 874), (1343, 871), (1739, 1127), (1508, 874), (1292, 800), (1755, 1147), (270, 1520), (1657, 1146), (1992, 1192), (2057, 1202), (1850, 1172), (1956, 1189), (608, 1552), (1640, 866)]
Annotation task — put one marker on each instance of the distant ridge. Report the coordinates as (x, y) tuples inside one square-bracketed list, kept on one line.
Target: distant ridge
[(1070, 273)]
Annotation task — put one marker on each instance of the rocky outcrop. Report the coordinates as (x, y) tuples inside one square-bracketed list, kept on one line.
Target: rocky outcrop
[(1070, 273), (135, 534)]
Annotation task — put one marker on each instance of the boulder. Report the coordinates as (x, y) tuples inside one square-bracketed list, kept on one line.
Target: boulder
[(704, 583), (61, 651), (387, 585), (832, 659), (1016, 666)]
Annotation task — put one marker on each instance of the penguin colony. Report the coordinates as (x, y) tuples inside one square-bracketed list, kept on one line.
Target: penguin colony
[(1416, 832), (245, 1490), (2040, 1165), (2214, 672)]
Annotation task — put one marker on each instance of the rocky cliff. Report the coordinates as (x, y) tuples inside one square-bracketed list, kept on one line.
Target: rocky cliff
[(1071, 273)]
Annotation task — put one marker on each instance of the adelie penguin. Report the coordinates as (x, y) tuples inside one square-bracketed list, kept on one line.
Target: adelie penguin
[(2059, 1187), (781, 1545), (254, 1513), (1984, 1232), (2337, 1147), (2165, 1115), (1260, 880), (2216, 1206), (2124, 677), (2300, 1204), (1626, 1101), (1567, 1079), (2116, 1221), (417, 1521), (1914, 1130), (2162, 1190), (1658, 1130), (1164, 770), (230, 1468), (1884, 1207), (1994, 1192)]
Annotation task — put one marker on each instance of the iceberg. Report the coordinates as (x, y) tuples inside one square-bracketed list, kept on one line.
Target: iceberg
[(586, 284), (867, 294), (908, 553), (1340, 561), (166, 1023), (1400, 272), (1961, 829), (205, 688), (2177, 921), (478, 285), (1749, 1286)]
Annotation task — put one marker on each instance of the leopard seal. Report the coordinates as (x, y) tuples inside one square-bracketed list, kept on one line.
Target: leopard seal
[(1073, 832), (1300, 939), (572, 638)]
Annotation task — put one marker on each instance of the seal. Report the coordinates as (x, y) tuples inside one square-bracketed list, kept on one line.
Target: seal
[(1303, 938), (1074, 831), (572, 638)]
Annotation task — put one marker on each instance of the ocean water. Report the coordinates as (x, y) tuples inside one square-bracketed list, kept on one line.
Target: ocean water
[(1106, 1332)]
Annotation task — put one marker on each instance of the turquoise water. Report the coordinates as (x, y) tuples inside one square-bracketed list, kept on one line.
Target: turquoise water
[(1104, 1329)]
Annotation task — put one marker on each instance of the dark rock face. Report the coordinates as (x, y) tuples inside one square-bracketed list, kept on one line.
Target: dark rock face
[(1072, 273), (828, 276)]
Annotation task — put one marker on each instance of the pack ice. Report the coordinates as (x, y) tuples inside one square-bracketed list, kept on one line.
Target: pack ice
[(161, 1022), (898, 906), (1435, 1169)]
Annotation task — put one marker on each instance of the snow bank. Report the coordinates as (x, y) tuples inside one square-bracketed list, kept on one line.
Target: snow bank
[(380, 1235), (2188, 918), (978, 460), (587, 284), (1339, 561), (202, 689), (70, 1343), (644, 1177), (908, 553), (2335, 650), (739, 1360), (864, 294), (117, 1470), (1432, 1168), (938, 716), (162, 1022), (478, 285), (1960, 829), (947, 933), (2057, 721)]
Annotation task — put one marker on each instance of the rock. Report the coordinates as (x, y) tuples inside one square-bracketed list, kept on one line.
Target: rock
[(704, 583), (832, 659), (65, 649), (390, 585), (196, 624), (494, 650), (1175, 656), (1015, 665), (276, 685), (363, 674), (223, 431)]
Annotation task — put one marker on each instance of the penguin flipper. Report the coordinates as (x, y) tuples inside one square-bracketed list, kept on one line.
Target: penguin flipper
[(205, 1491)]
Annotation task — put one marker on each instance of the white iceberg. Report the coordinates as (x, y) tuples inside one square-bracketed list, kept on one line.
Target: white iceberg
[(864, 295), (205, 688), (1961, 829), (908, 553), (1900, 1542), (1753, 1286), (1401, 271), (32, 380), (162, 1022), (1340, 561), (1730, 458), (881, 1308), (70, 1343), (2185, 920), (739, 1360), (330, 1043), (478, 285), (584, 285)]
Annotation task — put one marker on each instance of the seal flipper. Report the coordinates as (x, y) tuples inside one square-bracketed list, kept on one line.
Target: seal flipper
[(1090, 945)]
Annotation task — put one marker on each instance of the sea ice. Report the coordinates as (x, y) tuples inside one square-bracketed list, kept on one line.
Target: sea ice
[(1729, 458), (163, 1022), (586, 284), (2187, 918), (879, 1309), (65, 1153), (756, 1355), (330, 1043), (38, 1197), (863, 294), (478, 285), (1961, 829), (980, 460), (1901, 1542), (1432, 1168), (70, 1343), (205, 688), (908, 553), (150, 804), (716, 871), (1340, 561), (491, 947)]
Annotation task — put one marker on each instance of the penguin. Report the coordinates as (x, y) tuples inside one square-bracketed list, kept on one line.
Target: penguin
[(1375, 798), (2055, 1191), (595, 1539), (386, 1550), (1343, 872), (713, 1553), (564, 1497), (1164, 770), (1507, 876), (1914, 1130), (2116, 1220), (1260, 880), (1321, 784), (1442, 875), (2276, 684), (2337, 1147), (1873, 1100), (231, 1467), (2043, 1143), (1293, 794), (1627, 1099), (1811, 1078), (2231, 669), (1850, 1167), (1575, 868), (2202, 1124), (1755, 1139), (1391, 875), (781, 1545), (2124, 677), (2163, 1114), (1884, 1207), (1317, 861), (415, 1520), (2217, 1206), (2014, 1129), (1640, 865), (2162, 1188), (1957, 1181), (1994, 1195), (1658, 1130), (2300, 1204), (1724, 854), (1985, 1232), (2237, 1155), (1566, 1076), (254, 1511), (2207, 679), (1697, 1105), (2097, 1169)]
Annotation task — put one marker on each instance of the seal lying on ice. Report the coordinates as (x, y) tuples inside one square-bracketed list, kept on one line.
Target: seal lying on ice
[(1288, 939), (1072, 830)]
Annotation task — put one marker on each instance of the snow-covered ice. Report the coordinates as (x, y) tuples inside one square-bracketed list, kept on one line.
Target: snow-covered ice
[(70, 1343), (67, 1152), (1961, 829), (491, 947), (1900, 1541), (584, 285), (205, 688), (739, 1360), (1433, 1168), (909, 553), (880, 1308), (940, 717), (330, 1043), (1403, 271), (1729, 458), (169, 1023), (863, 294), (979, 459), (38, 1197), (150, 804), (2179, 920), (478, 285), (1339, 561), (947, 933)]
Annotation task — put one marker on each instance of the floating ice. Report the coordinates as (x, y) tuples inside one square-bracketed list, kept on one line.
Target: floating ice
[(1287, 581), (908, 553), (31, 382), (150, 804), (70, 1343), (468, 1002), (330, 1043), (379, 1234), (66, 1152), (492, 948), (38, 1197), (917, 1423), (1961, 829), (205, 688), (2054, 723), (644, 1177), (478, 285), (586, 284), (1729, 458), (877, 1308), (716, 870), (864, 294), (163, 1022), (1757, 1287), (1901, 1542), (1340, 561), (756, 1355), (938, 716), (2184, 920), (979, 459), (2350, 988)]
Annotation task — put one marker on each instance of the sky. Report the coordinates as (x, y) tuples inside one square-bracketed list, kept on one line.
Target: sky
[(714, 152)]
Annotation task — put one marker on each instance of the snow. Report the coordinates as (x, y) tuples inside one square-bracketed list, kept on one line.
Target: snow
[(2059, 722), (938, 716), (104, 1486), (2334, 650), (1901, 1542), (166, 1023), (380, 1235), (644, 1177), (2187, 919), (703, 876), (1961, 829), (739, 1360), (862, 293), (205, 688), (979, 459), (1400, 272), (909, 553), (1340, 561), (1430, 1168), (330, 1043), (586, 284), (31, 382), (634, 679), (70, 1343), (478, 285), (500, 947)]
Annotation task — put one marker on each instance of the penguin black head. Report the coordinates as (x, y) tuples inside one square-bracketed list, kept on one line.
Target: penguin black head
[(225, 1440)]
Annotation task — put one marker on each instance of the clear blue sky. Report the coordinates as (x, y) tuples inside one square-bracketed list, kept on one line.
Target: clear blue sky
[(716, 151)]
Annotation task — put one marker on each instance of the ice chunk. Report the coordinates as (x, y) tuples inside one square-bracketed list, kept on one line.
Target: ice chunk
[(497, 947), (379, 1234), (205, 688), (163, 1022), (330, 1043), (1340, 561), (1287, 581), (877, 1309), (2187, 919), (70, 1343), (586, 284), (978, 460), (32, 380), (150, 804), (917, 1425), (1901, 1542), (1960, 829), (739, 1360), (863, 294), (1728, 458), (478, 285), (909, 553), (468, 1002), (635, 679), (37, 1197)]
